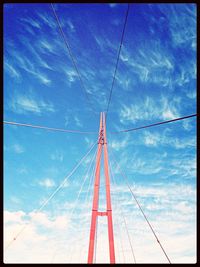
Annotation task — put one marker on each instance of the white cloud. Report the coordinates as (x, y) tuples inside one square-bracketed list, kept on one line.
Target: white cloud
[(71, 26), (18, 148), (71, 74), (15, 200), (66, 119), (29, 103), (163, 108), (187, 20), (43, 78), (22, 170), (57, 155), (152, 65), (45, 46), (187, 125), (78, 122), (118, 144), (25, 64), (14, 216), (31, 22), (41, 218), (170, 110), (191, 94), (165, 139), (47, 19), (185, 167), (11, 70), (171, 212), (151, 139), (47, 182)]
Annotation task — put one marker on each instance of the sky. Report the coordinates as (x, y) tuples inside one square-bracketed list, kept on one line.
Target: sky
[(155, 81)]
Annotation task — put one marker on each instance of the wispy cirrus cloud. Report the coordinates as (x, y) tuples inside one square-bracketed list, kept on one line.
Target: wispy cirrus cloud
[(45, 46), (188, 125), (71, 25), (47, 19), (30, 67), (15, 200), (118, 144), (47, 182), (152, 64), (185, 167), (78, 121), (29, 103), (71, 75), (166, 139), (33, 23), (151, 139), (150, 108), (135, 164), (191, 94), (57, 155), (188, 22), (19, 149), (11, 70)]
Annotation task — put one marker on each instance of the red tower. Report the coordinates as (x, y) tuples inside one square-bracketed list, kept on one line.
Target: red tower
[(102, 144)]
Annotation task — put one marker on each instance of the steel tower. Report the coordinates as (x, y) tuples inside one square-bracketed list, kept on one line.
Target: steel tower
[(102, 145)]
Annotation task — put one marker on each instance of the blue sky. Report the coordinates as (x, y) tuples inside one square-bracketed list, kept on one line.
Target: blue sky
[(155, 81)]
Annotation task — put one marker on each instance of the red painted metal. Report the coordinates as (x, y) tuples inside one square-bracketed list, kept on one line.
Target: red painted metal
[(108, 198), (101, 142), (102, 213)]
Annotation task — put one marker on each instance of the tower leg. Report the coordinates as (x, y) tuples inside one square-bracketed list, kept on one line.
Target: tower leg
[(95, 197)]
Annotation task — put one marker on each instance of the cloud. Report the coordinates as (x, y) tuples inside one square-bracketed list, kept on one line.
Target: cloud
[(29, 103), (41, 218), (105, 45), (43, 78), (47, 182), (170, 108), (14, 216), (191, 94), (187, 21), (165, 139), (57, 155), (116, 22), (151, 139), (31, 22), (187, 125), (136, 164), (29, 66), (15, 200), (112, 5), (150, 64), (71, 74), (48, 20), (22, 170), (71, 26), (171, 208), (66, 119), (45, 46), (78, 122), (118, 144), (174, 208), (19, 149), (11, 70), (149, 108), (185, 167)]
